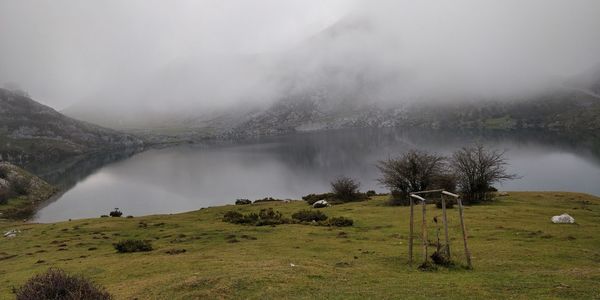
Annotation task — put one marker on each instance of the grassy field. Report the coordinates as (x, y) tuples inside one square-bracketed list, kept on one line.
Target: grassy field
[(517, 253)]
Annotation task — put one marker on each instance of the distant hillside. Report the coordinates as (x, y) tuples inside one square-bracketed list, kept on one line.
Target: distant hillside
[(30, 131), (562, 110)]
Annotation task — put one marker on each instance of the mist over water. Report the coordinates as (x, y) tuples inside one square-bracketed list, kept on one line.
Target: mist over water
[(193, 176)]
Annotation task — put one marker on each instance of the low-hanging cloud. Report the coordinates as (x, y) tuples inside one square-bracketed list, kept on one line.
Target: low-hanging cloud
[(181, 56)]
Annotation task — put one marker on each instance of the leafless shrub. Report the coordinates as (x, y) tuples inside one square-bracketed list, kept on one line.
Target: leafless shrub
[(414, 171), (476, 169)]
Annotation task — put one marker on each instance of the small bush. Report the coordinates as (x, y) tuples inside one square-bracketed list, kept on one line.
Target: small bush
[(128, 246), (371, 193), (3, 173), (269, 217), (116, 213), (264, 217), (242, 202), (56, 284), (267, 199), (340, 222), (309, 216), (233, 217), (312, 198)]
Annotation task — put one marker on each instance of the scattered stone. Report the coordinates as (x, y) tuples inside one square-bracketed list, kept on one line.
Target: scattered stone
[(563, 219), (503, 194), (320, 204)]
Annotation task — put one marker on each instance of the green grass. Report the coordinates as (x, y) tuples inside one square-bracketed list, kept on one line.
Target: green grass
[(517, 253)]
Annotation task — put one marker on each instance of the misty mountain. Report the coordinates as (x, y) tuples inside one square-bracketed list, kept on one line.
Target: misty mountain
[(368, 92), (349, 75), (30, 131)]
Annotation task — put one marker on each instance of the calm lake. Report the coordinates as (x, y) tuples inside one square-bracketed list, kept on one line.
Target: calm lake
[(190, 177)]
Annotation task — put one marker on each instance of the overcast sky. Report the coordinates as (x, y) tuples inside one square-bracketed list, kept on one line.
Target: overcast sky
[(114, 51)]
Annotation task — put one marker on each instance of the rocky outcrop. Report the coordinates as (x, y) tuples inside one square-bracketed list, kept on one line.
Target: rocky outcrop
[(25, 191)]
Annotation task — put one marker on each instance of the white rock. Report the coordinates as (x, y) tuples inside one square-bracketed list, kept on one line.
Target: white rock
[(320, 203), (11, 233), (503, 194), (563, 219)]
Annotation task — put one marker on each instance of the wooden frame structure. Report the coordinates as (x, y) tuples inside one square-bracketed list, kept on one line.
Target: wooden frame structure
[(424, 239)]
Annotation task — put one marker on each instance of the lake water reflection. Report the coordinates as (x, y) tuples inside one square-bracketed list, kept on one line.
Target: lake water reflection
[(189, 177)]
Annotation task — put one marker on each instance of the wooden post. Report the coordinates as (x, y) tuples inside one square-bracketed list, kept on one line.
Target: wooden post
[(445, 226), (410, 235), (424, 232), (464, 232)]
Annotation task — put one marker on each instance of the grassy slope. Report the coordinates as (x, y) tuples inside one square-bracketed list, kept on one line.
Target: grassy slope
[(517, 253)]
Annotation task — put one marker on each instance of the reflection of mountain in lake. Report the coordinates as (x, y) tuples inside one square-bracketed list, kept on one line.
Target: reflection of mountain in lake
[(64, 174), (353, 145)]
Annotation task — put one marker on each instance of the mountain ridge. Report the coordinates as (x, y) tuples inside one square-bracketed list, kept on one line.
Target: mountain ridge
[(33, 131)]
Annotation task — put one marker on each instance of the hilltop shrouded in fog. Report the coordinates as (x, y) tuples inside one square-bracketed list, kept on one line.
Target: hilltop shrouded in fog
[(140, 63)]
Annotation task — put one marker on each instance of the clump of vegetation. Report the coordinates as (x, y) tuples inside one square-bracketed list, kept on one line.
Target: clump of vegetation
[(116, 213), (267, 199), (312, 198), (56, 284), (476, 169), (371, 193), (129, 246), (266, 216), (309, 216), (340, 222), (413, 171), (270, 217), (242, 202), (235, 217)]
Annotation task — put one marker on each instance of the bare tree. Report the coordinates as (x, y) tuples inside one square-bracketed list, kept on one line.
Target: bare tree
[(345, 189), (414, 171), (476, 169)]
